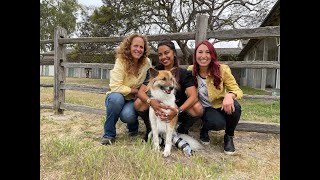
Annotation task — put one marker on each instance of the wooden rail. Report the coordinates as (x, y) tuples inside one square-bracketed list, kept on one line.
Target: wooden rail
[(253, 126), (254, 33), (232, 64), (103, 90)]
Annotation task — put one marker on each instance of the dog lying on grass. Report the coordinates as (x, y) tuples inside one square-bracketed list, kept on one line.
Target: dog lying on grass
[(162, 86)]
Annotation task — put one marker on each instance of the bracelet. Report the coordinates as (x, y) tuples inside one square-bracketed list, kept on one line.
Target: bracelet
[(149, 100), (179, 111)]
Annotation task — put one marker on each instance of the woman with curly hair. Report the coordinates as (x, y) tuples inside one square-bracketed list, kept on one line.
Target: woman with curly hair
[(129, 72)]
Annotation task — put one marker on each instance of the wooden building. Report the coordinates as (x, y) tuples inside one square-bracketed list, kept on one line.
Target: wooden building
[(266, 49)]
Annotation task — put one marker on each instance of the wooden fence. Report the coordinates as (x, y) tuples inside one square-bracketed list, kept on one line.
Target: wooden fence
[(60, 63)]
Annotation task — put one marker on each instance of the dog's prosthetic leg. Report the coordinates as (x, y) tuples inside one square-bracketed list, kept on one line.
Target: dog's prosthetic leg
[(183, 145)]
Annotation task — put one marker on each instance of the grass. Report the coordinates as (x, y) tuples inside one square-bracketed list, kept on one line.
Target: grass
[(70, 145), (70, 149)]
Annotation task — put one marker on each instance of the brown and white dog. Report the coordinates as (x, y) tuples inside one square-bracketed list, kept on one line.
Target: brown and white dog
[(162, 86)]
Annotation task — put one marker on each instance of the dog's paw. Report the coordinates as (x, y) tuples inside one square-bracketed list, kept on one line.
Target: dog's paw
[(166, 153)]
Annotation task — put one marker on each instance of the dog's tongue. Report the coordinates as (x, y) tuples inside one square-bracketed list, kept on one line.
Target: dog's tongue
[(167, 91)]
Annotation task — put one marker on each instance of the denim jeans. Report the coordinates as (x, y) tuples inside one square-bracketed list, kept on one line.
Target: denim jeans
[(117, 107)]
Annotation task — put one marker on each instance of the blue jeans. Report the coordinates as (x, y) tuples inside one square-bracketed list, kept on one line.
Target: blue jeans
[(117, 107)]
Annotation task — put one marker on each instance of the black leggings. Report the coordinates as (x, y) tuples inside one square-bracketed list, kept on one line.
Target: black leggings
[(215, 119)]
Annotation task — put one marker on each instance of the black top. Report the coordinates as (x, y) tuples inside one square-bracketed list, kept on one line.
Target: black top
[(186, 80)]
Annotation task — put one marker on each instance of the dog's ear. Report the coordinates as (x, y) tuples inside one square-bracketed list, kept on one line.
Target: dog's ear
[(174, 71), (153, 72)]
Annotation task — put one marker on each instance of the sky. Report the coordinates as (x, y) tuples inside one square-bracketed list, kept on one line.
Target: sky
[(96, 3)]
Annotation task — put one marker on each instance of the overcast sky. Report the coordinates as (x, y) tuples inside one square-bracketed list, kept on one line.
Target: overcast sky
[(96, 3)]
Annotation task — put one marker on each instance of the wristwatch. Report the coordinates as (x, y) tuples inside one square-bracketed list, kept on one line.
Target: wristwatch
[(179, 111), (148, 100)]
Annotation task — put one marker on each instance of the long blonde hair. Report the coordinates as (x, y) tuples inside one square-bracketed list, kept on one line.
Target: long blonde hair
[(124, 54)]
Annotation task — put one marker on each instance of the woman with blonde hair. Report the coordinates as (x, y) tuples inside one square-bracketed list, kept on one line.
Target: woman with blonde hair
[(129, 72)]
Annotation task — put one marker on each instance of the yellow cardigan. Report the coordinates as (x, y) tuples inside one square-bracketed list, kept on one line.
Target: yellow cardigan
[(228, 84), (121, 82)]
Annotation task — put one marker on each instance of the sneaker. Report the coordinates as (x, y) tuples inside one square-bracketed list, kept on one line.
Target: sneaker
[(108, 140), (182, 130), (133, 133), (228, 145), (204, 137)]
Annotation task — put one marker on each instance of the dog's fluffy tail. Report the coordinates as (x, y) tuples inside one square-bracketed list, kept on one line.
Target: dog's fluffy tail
[(194, 144)]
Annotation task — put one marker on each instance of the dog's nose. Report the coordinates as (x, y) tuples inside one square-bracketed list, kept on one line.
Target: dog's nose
[(170, 88)]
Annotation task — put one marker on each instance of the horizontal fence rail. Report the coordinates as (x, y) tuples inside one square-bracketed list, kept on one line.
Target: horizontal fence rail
[(254, 33), (103, 90), (252, 126), (85, 88), (231, 64), (221, 51)]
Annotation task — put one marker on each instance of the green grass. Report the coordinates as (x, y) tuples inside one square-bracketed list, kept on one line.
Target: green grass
[(261, 111), (253, 91), (70, 149), (70, 145)]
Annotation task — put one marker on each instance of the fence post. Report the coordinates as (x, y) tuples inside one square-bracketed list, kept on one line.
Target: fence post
[(201, 28), (264, 70), (278, 70), (59, 74)]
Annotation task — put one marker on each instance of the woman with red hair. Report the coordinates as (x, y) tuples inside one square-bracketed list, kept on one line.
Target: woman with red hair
[(218, 93)]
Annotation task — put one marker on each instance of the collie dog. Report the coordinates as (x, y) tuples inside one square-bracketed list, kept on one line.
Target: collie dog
[(162, 86)]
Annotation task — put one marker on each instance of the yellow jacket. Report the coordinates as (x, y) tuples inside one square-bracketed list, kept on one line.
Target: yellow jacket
[(228, 84), (122, 82)]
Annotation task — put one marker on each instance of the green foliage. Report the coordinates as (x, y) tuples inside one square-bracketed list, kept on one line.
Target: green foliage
[(93, 56), (55, 13)]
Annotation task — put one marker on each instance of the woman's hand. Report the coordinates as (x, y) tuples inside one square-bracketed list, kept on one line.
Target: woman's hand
[(158, 107), (228, 103), (168, 113), (134, 92)]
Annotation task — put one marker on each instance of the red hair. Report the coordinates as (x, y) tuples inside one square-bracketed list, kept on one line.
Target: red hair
[(214, 66)]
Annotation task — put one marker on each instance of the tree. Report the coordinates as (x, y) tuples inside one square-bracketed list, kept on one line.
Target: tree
[(55, 13), (171, 16), (180, 16), (115, 18)]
